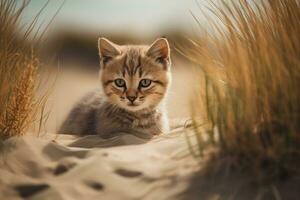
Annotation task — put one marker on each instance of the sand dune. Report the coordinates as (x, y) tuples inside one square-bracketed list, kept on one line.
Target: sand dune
[(122, 167), (125, 166)]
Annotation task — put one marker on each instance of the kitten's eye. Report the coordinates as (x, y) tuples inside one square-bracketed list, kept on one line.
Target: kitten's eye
[(145, 83), (120, 82)]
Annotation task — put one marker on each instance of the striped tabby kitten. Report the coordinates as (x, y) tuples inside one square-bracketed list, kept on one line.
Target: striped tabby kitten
[(135, 81)]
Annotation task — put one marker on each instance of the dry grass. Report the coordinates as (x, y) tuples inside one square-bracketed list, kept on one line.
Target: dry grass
[(250, 99), (18, 73)]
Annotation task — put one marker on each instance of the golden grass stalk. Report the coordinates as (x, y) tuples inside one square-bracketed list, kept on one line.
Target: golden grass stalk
[(19, 111), (18, 73), (251, 80)]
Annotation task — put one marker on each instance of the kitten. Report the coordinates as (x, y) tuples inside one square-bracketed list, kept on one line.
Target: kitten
[(135, 81)]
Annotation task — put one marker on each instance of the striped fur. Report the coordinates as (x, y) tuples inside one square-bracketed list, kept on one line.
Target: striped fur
[(113, 111)]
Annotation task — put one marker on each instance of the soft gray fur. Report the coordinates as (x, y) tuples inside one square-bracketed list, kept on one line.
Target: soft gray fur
[(93, 115)]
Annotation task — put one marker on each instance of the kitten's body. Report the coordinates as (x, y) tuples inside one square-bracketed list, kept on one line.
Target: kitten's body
[(94, 115), (114, 111)]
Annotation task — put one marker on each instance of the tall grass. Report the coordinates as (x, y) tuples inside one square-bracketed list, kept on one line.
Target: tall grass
[(250, 95), (18, 72)]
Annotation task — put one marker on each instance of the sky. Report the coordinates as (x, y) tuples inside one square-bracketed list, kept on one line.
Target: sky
[(136, 16)]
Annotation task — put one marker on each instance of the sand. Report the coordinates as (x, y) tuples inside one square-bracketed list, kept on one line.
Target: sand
[(126, 166), (123, 167), (64, 167)]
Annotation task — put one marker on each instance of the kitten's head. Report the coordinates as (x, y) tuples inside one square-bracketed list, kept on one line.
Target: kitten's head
[(135, 77)]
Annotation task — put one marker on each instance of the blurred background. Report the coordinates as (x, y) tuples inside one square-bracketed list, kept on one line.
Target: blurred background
[(69, 46)]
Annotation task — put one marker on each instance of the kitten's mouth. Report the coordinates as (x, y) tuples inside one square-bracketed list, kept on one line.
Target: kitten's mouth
[(132, 105)]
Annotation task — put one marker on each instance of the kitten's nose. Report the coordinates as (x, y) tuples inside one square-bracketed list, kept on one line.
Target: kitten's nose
[(131, 98)]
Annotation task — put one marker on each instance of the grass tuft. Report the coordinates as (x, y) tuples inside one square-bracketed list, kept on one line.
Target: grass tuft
[(18, 73), (250, 98)]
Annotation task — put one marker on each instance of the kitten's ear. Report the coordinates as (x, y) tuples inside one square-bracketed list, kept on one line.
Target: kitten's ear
[(159, 50), (107, 49)]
